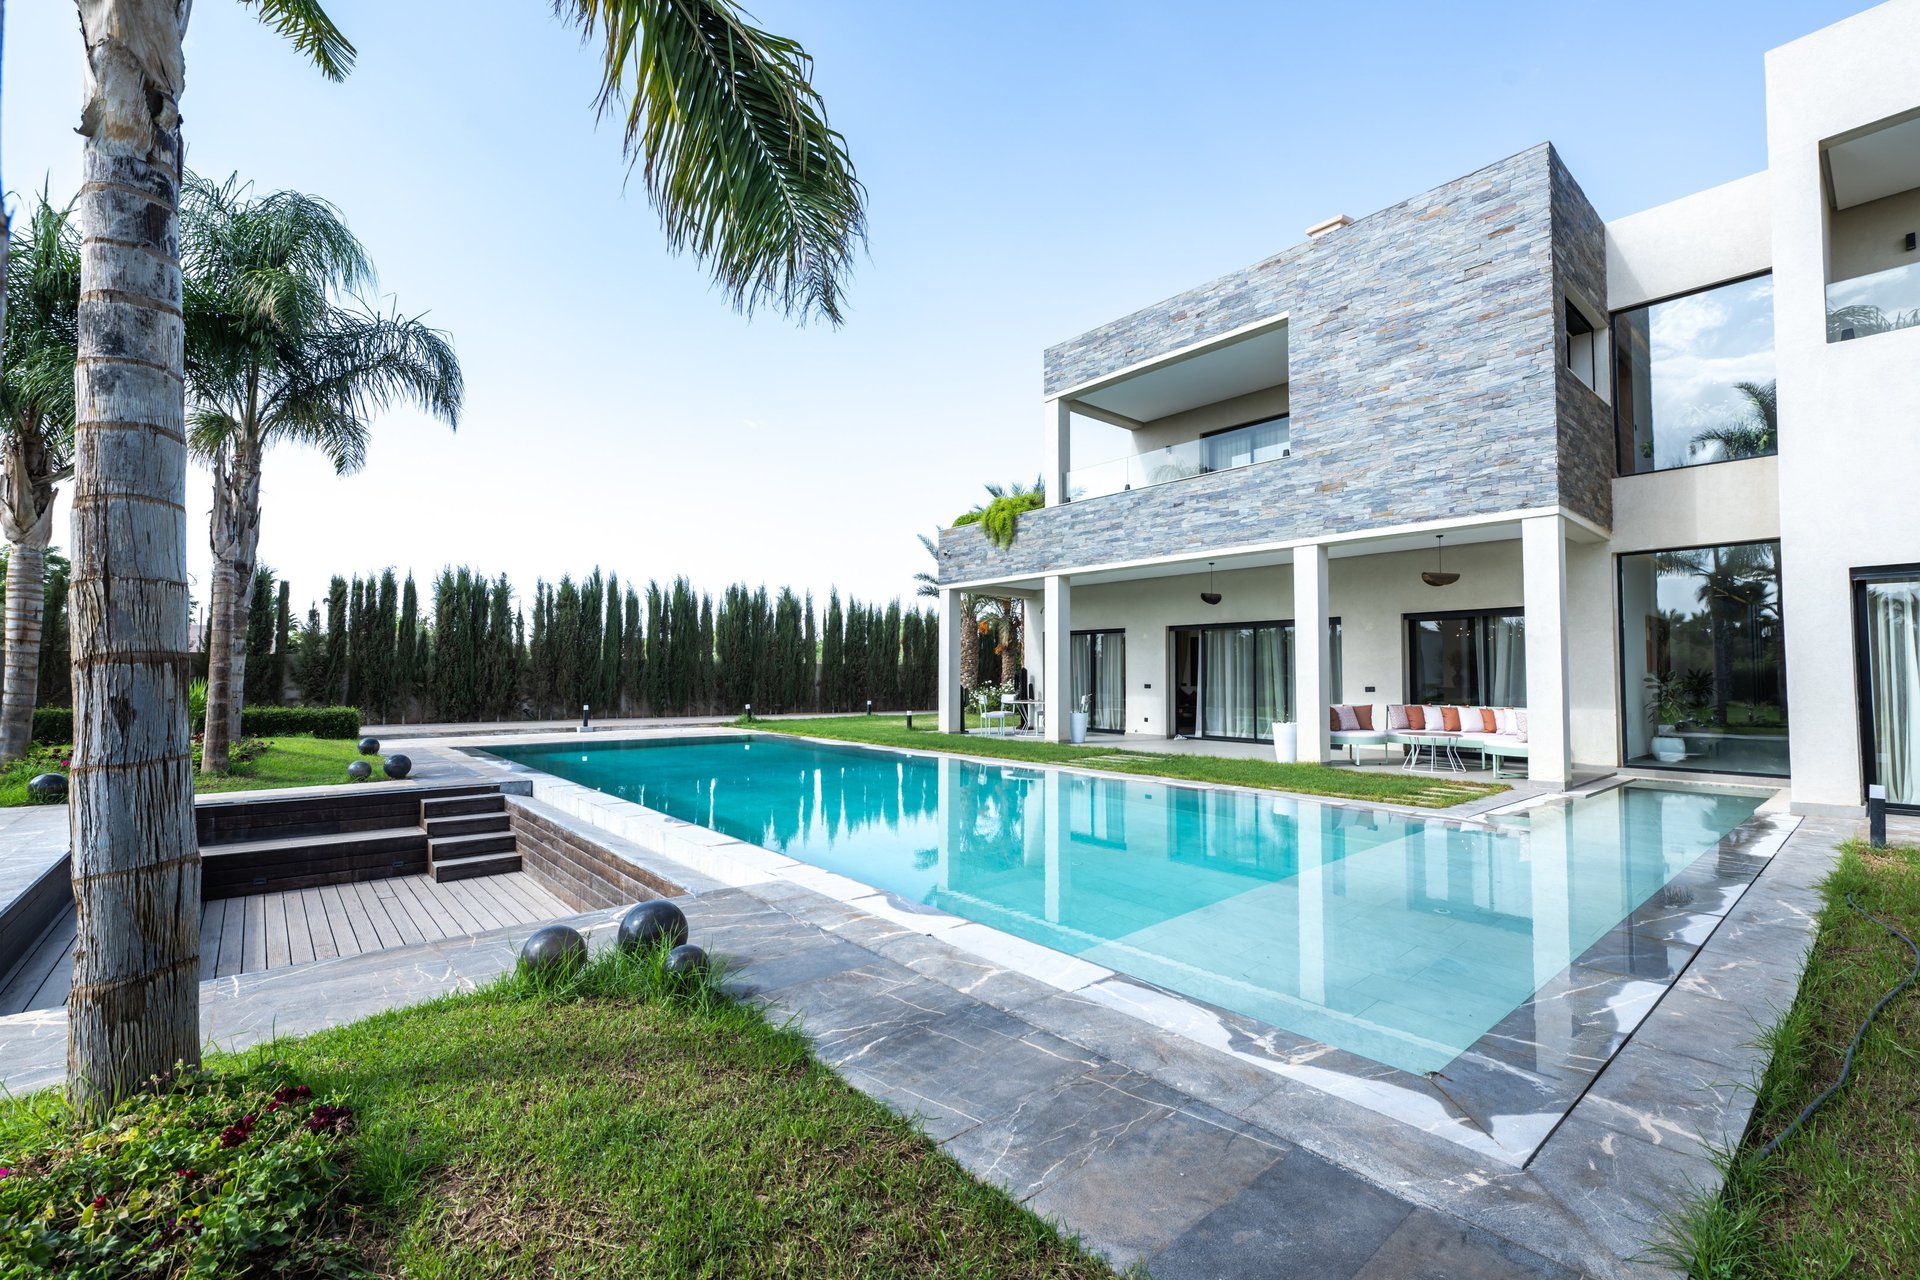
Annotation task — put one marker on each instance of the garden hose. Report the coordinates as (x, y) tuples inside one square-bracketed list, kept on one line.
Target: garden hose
[(1846, 1065)]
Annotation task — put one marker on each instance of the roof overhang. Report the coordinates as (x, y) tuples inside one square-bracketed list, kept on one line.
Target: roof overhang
[(1869, 164), (1250, 358)]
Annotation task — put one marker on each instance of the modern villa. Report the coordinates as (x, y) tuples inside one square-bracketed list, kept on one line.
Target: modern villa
[(1659, 455)]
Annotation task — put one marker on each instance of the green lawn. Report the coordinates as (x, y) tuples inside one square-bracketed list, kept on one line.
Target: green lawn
[(1393, 787), (1842, 1196), (623, 1127), (297, 761)]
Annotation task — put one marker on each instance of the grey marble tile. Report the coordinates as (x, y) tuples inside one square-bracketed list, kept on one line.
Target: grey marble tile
[(1432, 1246), (1621, 1189), (1155, 1181), (1665, 1099), (1302, 1218)]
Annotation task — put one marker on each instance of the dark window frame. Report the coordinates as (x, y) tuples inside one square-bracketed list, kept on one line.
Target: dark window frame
[(1857, 582), (1333, 620), (1106, 631), (1409, 620), (1613, 381), (1620, 647)]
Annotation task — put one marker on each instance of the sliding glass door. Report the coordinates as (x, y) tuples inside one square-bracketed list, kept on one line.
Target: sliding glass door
[(1468, 659), (1100, 677), (1887, 607), (1234, 681)]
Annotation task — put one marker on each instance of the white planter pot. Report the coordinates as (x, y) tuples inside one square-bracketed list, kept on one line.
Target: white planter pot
[(1286, 741), (1669, 750), (1078, 726)]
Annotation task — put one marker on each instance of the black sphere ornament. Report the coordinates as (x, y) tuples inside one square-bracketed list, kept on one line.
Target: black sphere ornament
[(359, 771), (369, 746), (554, 949), (397, 765), (48, 788), (649, 922), (685, 961)]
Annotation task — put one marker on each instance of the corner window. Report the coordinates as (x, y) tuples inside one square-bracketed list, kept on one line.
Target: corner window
[(1693, 378), (1586, 349), (1703, 656), (1468, 659), (1873, 229)]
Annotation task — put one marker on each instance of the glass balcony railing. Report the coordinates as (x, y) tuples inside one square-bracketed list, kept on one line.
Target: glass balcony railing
[(1879, 303), (1240, 447)]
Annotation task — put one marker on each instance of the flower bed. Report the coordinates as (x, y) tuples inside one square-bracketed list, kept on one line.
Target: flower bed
[(218, 1175)]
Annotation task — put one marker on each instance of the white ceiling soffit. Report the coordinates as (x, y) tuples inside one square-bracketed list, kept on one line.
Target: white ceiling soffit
[(1884, 162), (1226, 561), (1231, 369)]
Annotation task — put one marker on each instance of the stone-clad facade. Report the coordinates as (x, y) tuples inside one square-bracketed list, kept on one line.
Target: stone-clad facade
[(1425, 382)]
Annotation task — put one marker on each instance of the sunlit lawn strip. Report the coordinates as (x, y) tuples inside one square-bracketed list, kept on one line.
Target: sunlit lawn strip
[(620, 1126), (1421, 790), (1842, 1196), (293, 761)]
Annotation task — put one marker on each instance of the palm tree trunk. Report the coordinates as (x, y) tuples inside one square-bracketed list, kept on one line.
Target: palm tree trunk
[(235, 534), (26, 519), (134, 1010)]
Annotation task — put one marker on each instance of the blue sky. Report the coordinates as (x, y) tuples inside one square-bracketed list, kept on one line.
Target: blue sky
[(1033, 170)]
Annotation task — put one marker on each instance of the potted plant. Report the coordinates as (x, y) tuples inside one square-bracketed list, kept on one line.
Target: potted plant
[(1286, 741), (1670, 704), (1078, 722)]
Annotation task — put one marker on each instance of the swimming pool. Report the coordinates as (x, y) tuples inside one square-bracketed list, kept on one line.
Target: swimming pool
[(1399, 938)]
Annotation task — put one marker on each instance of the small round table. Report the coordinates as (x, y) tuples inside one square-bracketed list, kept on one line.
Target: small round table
[(1433, 743)]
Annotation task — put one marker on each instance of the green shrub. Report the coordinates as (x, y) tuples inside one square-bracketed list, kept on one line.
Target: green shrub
[(220, 1175), (53, 725), (321, 722)]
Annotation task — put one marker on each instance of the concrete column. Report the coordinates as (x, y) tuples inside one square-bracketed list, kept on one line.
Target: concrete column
[(1312, 651), (953, 709), (1056, 664), (1543, 590), (1056, 451)]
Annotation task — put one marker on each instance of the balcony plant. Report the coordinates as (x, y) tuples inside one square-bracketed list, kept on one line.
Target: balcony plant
[(999, 517)]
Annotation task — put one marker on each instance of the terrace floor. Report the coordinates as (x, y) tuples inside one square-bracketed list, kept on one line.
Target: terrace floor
[(264, 931)]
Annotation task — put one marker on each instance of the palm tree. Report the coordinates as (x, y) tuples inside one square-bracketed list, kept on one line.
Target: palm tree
[(36, 447), (1756, 434), (1863, 320), (736, 157), (273, 356)]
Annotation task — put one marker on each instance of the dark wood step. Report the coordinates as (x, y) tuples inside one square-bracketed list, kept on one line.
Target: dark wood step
[(457, 806), (445, 848), (467, 825), (367, 807), (258, 866), (485, 864)]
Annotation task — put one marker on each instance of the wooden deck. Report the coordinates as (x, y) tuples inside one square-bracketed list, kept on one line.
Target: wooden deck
[(300, 926)]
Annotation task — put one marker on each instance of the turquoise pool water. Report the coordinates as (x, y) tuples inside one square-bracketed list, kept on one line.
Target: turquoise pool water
[(1400, 939)]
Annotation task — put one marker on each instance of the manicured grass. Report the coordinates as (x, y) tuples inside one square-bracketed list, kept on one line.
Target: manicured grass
[(297, 761), (1420, 790), (1842, 1196), (622, 1125)]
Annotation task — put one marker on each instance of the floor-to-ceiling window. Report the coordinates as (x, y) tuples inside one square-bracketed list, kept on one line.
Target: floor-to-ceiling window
[(1235, 680), (1693, 378), (1887, 604), (1100, 678), (1468, 659), (1703, 659)]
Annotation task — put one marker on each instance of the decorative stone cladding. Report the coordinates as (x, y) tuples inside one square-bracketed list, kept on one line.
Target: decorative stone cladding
[(1425, 382), (579, 870)]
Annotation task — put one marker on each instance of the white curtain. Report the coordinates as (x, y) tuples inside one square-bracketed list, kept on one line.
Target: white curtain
[(1893, 646), (1227, 683), (1110, 682), (1260, 442), (1504, 661)]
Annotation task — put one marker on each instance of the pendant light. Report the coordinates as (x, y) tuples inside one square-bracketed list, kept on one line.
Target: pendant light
[(1438, 576), (1210, 596)]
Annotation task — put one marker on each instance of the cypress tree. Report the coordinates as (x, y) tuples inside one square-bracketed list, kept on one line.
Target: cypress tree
[(832, 643), (382, 655), (655, 673), (501, 679), (809, 659), (703, 697), (258, 676), (564, 639), (310, 668), (336, 664), (282, 645), (632, 659), (406, 662), (611, 638)]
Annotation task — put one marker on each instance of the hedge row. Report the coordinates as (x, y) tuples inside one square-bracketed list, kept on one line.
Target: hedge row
[(54, 725)]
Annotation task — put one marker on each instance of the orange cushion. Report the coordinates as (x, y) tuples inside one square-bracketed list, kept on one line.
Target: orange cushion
[(1487, 723), (1364, 713), (1333, 720), (1416, 719), (1450, 716)]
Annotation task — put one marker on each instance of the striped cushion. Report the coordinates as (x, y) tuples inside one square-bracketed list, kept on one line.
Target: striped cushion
[(1520, 723), (1347, 719), (1397, 716)]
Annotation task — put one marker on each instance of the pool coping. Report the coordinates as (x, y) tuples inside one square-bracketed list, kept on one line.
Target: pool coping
[(1495, 1099)]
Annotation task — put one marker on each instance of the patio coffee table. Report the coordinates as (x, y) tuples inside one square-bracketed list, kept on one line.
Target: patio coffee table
[(1433, 744)]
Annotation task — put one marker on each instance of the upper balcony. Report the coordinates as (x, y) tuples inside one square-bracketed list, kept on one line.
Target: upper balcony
[(1873, 229)]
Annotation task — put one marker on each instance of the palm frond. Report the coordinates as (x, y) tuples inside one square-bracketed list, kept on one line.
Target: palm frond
[(354, 366), (41, 337), (306, 25), (733, 146)]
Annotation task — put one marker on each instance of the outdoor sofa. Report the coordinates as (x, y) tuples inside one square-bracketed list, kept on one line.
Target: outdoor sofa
[(1500, 733)]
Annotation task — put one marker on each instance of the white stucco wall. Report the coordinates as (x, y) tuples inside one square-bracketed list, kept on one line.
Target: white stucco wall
[(1848, 410), (1708, 238)]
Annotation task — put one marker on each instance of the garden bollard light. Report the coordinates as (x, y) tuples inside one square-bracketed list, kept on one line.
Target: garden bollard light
[(909, 719), (1877, 816), (869, 706), (586, 725)]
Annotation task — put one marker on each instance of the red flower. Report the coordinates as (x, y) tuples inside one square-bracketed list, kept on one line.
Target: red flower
[(99, 1202), (6, 1173), (185, 1173)]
